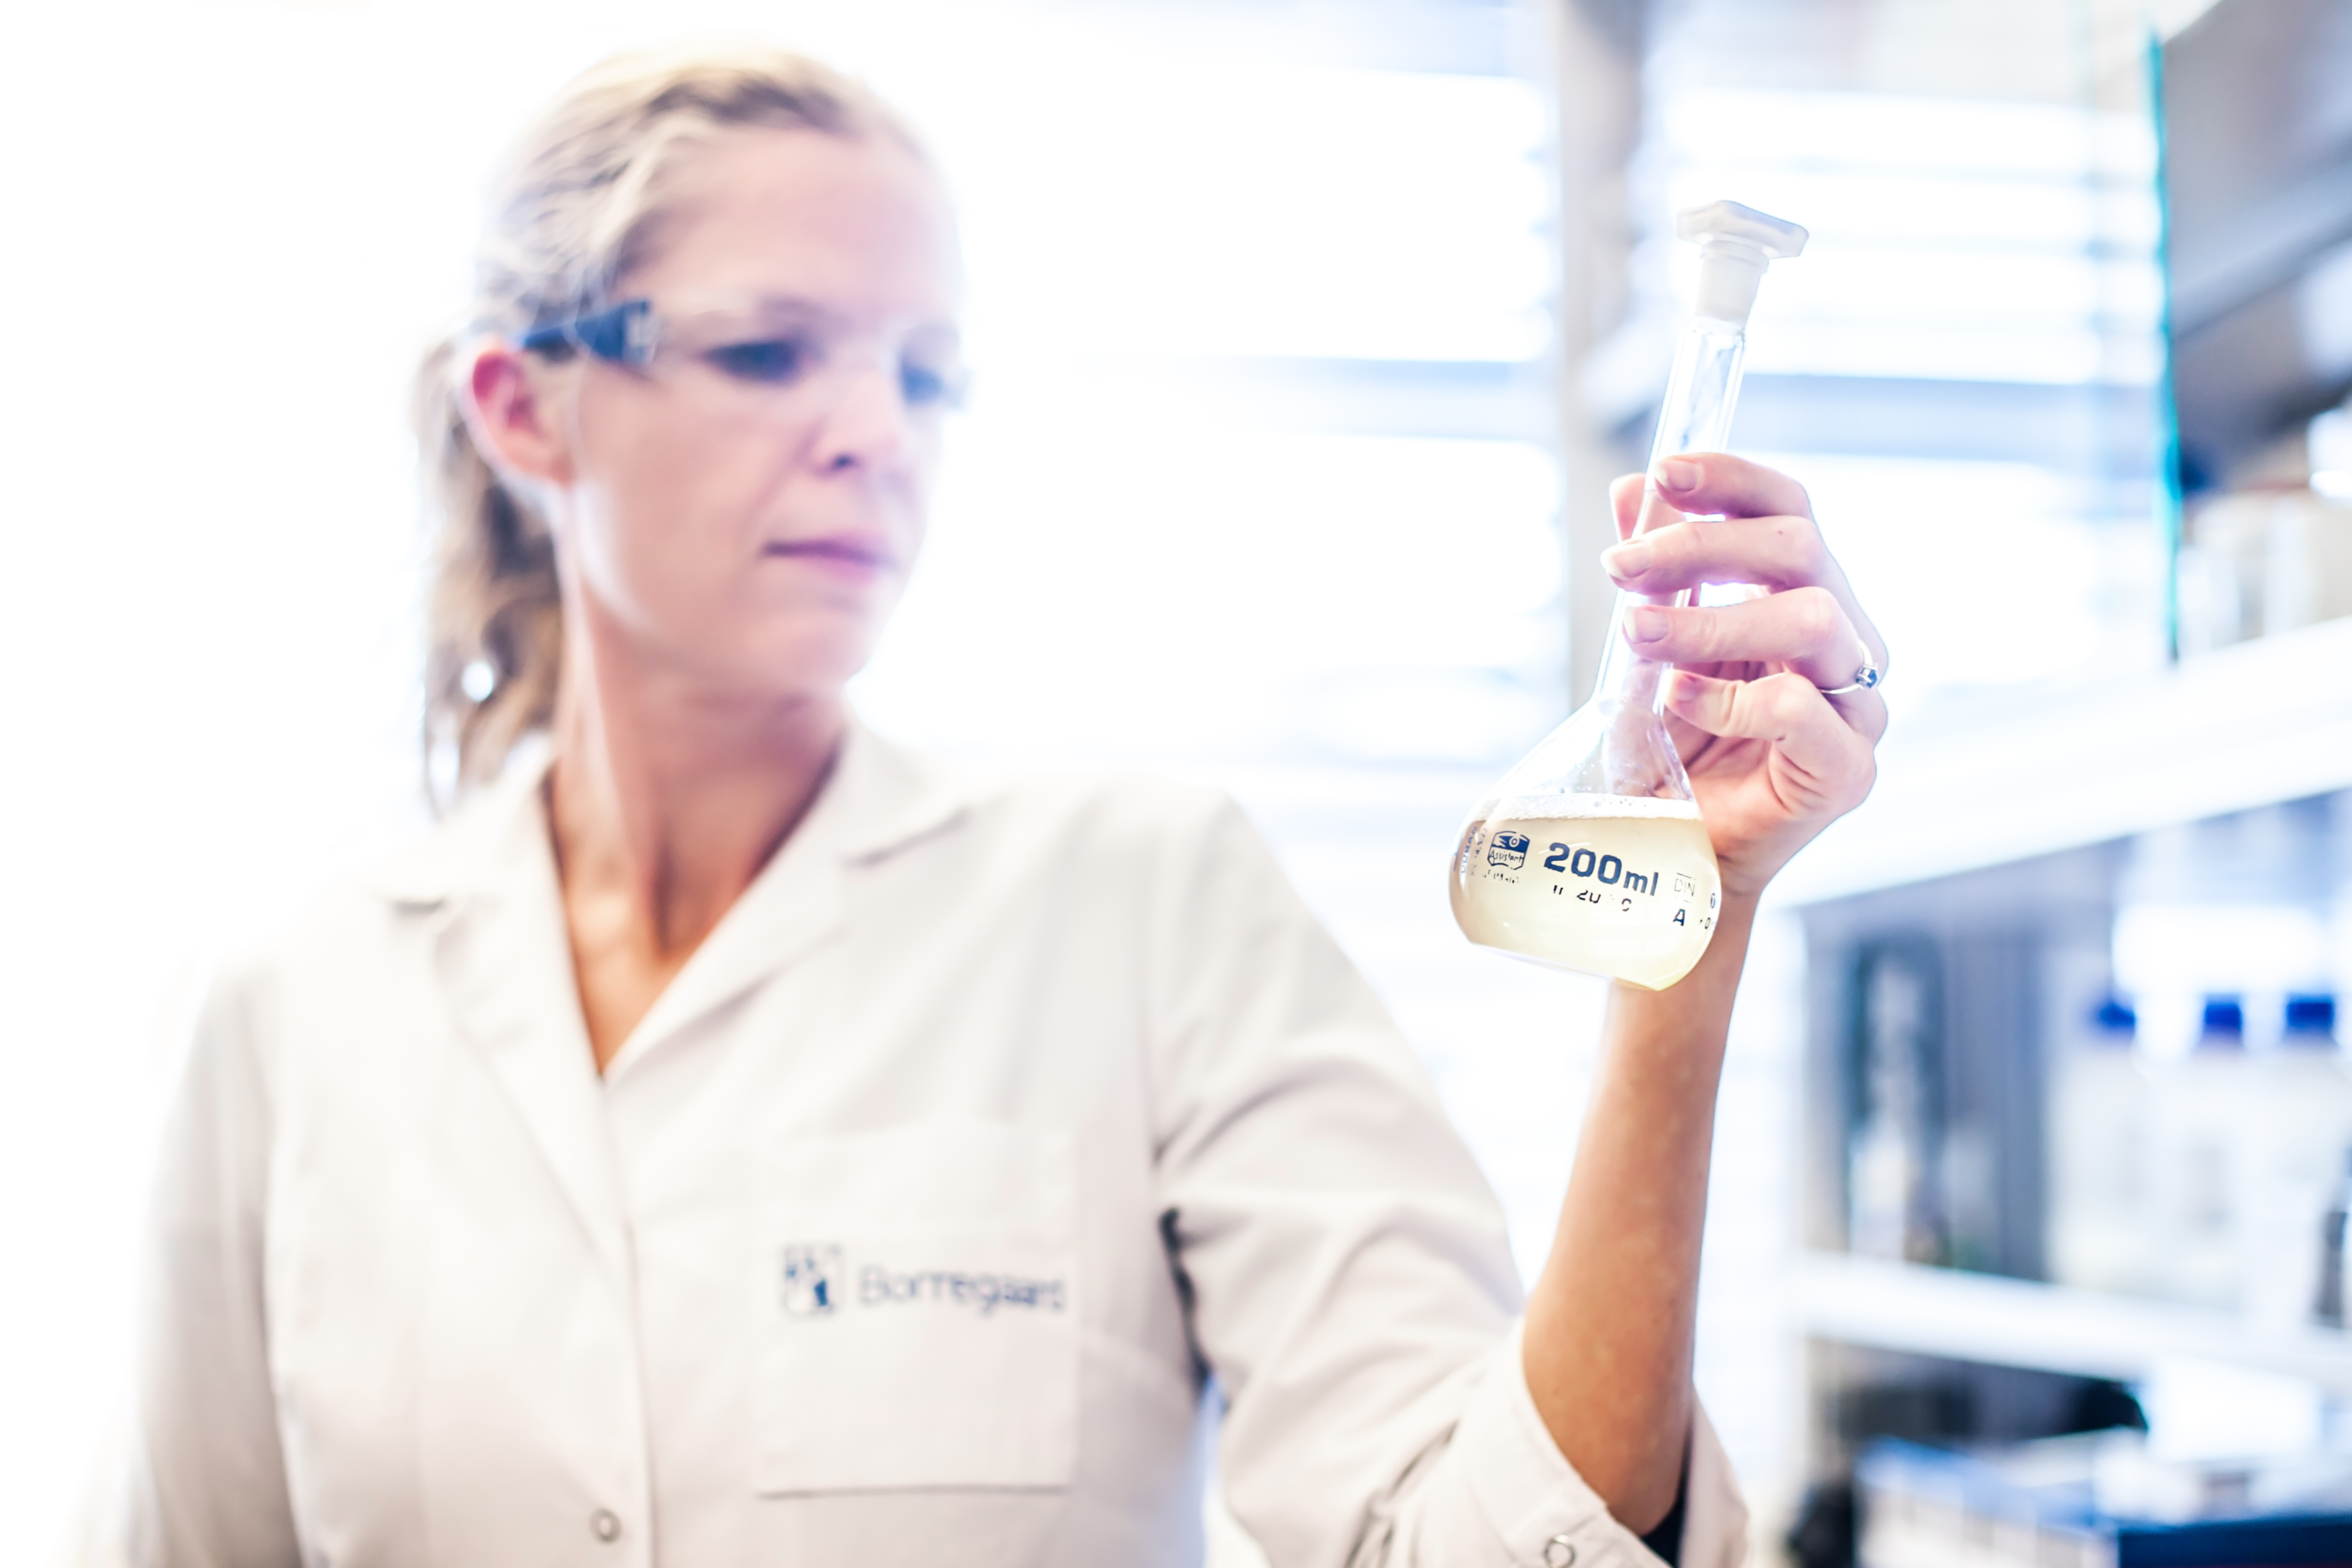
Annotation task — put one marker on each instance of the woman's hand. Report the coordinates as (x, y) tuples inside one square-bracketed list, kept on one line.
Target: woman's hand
[(1772, 759)]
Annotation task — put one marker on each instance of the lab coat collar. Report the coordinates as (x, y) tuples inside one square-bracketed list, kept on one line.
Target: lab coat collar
[(880, 797), (891, 796), (502, 960), (503, 956)]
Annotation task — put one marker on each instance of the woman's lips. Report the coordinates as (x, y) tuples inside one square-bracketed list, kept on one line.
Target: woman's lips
[(861, 557)]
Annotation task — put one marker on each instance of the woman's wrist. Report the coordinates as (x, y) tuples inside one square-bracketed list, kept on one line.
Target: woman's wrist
[(1737, 920), (1714, 976)]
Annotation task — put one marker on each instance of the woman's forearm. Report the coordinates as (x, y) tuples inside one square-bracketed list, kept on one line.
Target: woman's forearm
[(1610, 1319)]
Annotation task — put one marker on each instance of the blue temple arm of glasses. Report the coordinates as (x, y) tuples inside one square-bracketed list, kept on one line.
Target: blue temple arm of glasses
[(619, 335)]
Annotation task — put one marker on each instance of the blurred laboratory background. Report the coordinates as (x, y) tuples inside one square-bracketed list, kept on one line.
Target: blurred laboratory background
[(1307, 334)]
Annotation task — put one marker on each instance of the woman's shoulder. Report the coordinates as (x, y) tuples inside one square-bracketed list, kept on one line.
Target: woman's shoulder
[(354, 912)]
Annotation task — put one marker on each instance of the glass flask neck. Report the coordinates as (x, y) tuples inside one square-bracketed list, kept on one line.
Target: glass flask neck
[(1695, 417), (1696, 414)]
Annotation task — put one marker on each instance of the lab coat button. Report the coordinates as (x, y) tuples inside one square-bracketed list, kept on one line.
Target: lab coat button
[(1559, 1552), (605, 1523)]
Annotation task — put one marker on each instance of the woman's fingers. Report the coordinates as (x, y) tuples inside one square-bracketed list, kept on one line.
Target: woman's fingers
[(1786, 711), (1717, 484), (1774, 551), (1804, 630), (1767, 536), (1710, 484), (1625, 502)]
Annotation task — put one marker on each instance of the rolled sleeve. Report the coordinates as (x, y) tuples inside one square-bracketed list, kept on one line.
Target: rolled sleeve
[(1502, 1465)]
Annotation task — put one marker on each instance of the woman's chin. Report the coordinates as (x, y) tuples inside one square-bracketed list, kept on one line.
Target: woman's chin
[(807, 665)]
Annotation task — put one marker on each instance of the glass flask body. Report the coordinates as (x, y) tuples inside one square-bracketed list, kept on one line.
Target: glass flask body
[(1589, 854)]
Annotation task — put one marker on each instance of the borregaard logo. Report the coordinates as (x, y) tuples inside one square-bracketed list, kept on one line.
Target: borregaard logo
[(1509, 851), (809, 1280)]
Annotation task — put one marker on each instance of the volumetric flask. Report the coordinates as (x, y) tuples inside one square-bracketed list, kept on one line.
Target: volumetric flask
[(1589, 854)]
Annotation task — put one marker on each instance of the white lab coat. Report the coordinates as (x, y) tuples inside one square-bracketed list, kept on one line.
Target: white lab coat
[(905, 1229)]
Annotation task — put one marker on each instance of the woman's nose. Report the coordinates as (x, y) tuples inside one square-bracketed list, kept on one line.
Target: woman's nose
[(868, 424)]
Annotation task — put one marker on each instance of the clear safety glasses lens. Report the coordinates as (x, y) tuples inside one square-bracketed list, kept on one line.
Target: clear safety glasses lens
[(759, 356)]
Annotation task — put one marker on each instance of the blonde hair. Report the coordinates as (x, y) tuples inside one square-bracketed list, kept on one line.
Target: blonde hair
[(570, 212)]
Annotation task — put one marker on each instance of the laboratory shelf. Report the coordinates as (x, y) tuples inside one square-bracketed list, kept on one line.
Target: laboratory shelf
[(2016, 1322), (2049, 770)]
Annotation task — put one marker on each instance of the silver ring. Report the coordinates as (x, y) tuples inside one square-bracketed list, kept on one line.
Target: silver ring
[(1865, 680)]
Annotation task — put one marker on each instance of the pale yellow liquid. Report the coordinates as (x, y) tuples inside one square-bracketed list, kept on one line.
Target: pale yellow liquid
[(1632, 897)]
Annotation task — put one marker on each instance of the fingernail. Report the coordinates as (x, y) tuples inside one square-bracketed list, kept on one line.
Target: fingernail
[(1680, 688), (1630, 559), (1644, 624), (1678, 474)]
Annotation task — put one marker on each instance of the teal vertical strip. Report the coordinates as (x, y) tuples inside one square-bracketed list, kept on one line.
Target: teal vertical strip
[(2167, 500)]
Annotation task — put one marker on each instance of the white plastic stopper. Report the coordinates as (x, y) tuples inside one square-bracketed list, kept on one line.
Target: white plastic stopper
[(1735, 245)]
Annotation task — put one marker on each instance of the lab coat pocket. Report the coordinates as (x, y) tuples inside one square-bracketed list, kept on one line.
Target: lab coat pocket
[(918, 1301)]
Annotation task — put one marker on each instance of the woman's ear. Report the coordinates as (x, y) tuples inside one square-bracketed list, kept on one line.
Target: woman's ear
[(514, 422)]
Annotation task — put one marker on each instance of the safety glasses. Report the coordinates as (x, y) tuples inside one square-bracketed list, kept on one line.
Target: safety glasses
[(782, 359)]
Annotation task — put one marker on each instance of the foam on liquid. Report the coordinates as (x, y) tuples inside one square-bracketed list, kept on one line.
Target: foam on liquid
[(1606, 884)]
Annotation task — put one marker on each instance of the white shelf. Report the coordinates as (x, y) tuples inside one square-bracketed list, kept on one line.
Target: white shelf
[(2015, 1323), (2263, 722)]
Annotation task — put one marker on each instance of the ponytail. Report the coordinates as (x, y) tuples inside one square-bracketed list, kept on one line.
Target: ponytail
[(494, 623)]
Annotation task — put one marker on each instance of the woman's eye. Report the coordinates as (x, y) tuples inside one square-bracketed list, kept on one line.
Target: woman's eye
[(922, 386), (761, 359)]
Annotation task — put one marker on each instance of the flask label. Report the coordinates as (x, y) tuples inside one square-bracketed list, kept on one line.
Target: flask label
[(1631, 896)]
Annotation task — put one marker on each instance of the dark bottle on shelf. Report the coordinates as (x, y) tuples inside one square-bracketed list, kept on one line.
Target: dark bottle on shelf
[(2328, 1309)]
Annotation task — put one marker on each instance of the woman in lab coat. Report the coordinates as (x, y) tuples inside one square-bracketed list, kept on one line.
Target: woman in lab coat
[(731, 1137)]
